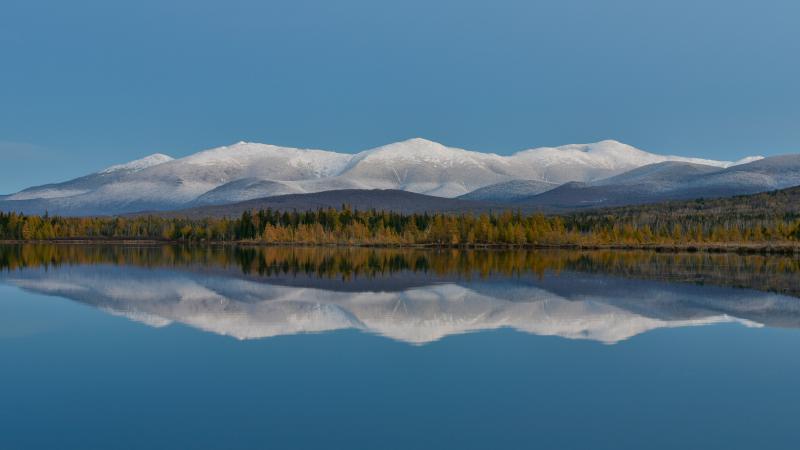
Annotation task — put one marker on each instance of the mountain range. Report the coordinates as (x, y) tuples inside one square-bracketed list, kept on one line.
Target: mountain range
[(574, 305), (247, 171)]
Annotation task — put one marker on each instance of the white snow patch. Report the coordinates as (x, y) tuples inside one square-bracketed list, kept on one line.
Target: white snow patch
[(139, 164)]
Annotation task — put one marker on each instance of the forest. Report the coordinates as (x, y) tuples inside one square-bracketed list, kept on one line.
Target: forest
[(774, 273), (624, 228)]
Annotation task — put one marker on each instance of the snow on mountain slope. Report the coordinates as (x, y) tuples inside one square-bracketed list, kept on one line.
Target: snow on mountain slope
[(159, 182), (245, 171), (775, 172), (269, 161), (244, 189), (427, 167), (588, 162), (139, 164), (91, 182), (222, 303), (764, 174), (673, 181), (185, 179), (660, 175)]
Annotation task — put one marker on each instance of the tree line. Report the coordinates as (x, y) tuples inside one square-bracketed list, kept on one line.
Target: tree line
[(346, 226), (774, 273)]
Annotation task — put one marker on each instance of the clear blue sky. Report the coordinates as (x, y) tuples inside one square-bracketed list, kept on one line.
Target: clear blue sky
[(86, 84)]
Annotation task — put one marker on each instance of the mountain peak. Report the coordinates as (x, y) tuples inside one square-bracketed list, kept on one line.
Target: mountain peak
[(416, 143), (410, 148), (607, 145), (254, 154), (604, 144), (420, 141), (139, 164)]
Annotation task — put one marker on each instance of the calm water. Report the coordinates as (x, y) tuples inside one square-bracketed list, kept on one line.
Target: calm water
[(115, 347)]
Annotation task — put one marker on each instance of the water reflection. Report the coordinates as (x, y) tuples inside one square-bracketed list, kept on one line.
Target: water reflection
[(414, 296)]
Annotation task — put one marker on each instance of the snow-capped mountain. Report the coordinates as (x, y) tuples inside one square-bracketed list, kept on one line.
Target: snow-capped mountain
[(588, 162), (575, 306), (245, 171), (91, 182)]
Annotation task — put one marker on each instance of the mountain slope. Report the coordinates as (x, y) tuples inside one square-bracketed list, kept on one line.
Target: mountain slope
[(660, 175), (509, 190), (244, 189), (779, 203), (588, 162), (671, 181), (91, 182), (418, 165), (360, 199)]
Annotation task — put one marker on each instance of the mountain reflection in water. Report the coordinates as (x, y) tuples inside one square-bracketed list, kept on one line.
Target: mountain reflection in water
[(415, 296)]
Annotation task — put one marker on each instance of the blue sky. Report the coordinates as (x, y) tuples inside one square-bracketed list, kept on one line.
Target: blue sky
[(86, 84)]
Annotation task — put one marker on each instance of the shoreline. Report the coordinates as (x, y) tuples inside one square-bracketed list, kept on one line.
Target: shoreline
[(784, 247)]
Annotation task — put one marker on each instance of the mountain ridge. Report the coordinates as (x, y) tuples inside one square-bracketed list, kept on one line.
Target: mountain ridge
[(669, 181), (359, 199)]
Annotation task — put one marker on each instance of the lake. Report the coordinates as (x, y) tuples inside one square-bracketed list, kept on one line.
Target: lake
[(224, 347)]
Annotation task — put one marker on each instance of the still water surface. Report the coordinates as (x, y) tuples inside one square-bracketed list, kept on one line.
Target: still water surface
[(237, 348)]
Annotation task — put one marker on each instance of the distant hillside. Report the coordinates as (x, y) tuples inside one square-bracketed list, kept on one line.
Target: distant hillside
[(671, 180), (360, 199), (784, 203), (509, 191), (781, 204)]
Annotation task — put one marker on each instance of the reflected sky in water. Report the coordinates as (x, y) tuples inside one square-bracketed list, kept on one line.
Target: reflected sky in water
[(169, 347)]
